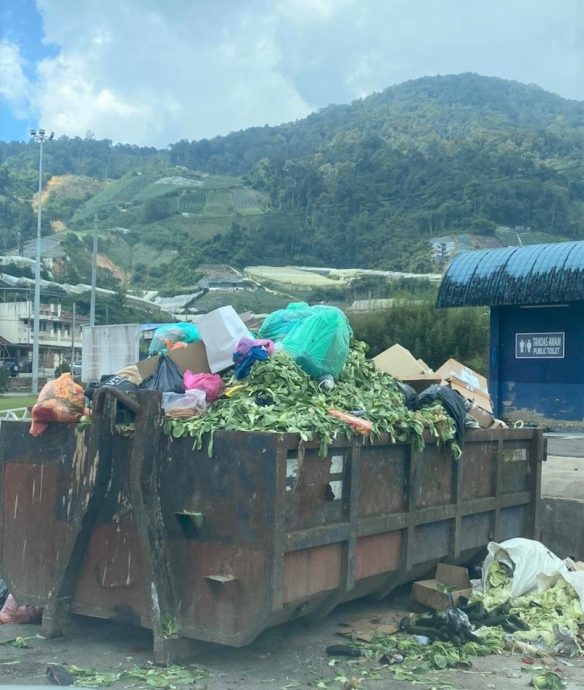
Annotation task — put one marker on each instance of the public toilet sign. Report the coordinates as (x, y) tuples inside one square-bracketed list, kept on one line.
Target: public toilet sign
[(540, 345)]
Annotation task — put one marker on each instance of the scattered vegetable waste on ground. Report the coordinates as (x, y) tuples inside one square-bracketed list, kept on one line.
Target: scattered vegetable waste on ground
[(150, 676)]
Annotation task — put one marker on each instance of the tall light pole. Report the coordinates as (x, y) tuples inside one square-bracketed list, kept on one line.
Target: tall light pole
[(93, 273), (40, 137)]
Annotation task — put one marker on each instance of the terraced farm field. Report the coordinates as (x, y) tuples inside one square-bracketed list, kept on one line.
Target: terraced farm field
[(246, 200), (289, 275), (218, 203), (123, 191), (192, 202)]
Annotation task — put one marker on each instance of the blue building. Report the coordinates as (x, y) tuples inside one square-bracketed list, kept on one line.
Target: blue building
[(536, 296)]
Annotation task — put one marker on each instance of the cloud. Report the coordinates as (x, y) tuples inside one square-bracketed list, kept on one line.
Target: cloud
[(151, 72), (15, 88)]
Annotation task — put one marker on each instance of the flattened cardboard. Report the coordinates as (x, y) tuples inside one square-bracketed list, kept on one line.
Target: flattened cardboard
[(399, 362), (430, 592), (467, 382), (420, 383), (193, 357), (484, 418)]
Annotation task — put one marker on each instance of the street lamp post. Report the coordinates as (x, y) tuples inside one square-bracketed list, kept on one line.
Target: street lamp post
[(40, 137)]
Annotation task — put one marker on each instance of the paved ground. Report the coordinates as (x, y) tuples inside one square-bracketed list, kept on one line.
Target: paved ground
[(293, 655), (563, 472), (289, 656)]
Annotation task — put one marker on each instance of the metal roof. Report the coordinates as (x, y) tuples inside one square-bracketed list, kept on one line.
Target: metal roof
[(536, 274)]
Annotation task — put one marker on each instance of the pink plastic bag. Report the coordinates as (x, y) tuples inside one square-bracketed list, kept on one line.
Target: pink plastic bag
[(245, 345), (211, 384), (13, 613)]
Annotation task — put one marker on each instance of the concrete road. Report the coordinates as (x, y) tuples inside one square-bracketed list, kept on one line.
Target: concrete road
[(291, 656), (563, 472)]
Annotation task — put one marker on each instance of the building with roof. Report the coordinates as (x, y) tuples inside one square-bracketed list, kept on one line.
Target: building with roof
[(536, 299), (59, 335)]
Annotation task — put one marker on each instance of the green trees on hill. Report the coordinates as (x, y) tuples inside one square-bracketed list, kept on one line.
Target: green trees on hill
[(368, 184), (431, 334)]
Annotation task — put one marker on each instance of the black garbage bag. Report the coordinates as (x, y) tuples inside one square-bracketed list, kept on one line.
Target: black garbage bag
[(167, 378), (4, 592), (114, 381), (451, 400), (410, 395)]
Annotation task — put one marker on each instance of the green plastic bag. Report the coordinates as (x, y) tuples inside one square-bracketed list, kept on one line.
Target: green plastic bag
[(319, 343), (281, 322)]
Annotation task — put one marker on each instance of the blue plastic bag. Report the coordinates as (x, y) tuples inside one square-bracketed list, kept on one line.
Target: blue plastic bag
[(171, 333)]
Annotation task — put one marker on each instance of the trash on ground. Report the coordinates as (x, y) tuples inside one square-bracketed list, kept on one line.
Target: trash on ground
[(366, 629), (149, 675), (547, 681), (58, 674), (12, 612), (449, 579)]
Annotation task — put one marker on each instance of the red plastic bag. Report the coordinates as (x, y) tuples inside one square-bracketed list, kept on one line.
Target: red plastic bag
[(61, 400), (212, 384), (13, 613)]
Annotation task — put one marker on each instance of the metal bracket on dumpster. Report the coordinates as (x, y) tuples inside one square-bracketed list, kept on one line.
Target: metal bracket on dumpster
[(98, 463), (144, 487), (190, 522)]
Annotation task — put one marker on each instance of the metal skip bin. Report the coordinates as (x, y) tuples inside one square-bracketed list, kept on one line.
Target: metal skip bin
[(123, 522)]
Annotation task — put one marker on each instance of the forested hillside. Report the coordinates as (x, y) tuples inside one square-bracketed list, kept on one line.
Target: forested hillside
[(368, 184)]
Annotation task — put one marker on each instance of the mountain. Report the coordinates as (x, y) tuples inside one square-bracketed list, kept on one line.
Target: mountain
[(386, 182)]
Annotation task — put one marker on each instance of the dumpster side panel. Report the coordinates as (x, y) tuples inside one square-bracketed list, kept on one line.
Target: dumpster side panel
[(45, 484), (263, 530), (223, 564)]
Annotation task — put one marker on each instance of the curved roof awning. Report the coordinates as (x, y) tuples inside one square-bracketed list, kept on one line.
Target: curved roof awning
[(536, 274)]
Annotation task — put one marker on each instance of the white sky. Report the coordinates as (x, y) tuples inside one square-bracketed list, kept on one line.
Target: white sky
[(155, 71)]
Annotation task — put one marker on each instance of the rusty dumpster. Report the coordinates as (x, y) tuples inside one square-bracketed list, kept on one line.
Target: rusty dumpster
[(125, 523)]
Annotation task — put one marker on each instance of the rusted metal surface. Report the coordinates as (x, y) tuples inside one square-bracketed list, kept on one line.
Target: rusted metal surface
[(138, 527)]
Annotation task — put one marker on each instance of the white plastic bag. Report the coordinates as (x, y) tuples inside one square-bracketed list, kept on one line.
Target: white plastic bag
[(188, 404), (527, 559), (221, 330)]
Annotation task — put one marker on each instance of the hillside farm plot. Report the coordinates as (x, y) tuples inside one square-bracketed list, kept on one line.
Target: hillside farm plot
[(192, 202), (125, 190), (121, 192), (218, 204), (166, 186), (246, 200), (290, 275)]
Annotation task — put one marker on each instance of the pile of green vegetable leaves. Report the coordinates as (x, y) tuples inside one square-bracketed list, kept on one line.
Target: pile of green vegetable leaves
[(280, 397), (541, 611), (149, 676), (437, 656)]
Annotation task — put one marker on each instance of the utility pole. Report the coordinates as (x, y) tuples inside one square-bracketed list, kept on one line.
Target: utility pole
[(39, 137), (73, 337), (93, 273)]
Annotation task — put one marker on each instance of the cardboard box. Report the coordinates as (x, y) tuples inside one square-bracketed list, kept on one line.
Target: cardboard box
[(193, 357), (399, 362), (402, 365), (434, 593), (469, 383), (484, 418)]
